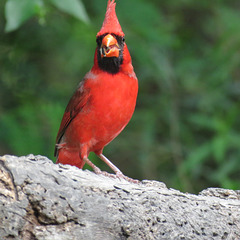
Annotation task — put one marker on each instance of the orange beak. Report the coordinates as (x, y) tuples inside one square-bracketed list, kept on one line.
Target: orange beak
[(110, 47)]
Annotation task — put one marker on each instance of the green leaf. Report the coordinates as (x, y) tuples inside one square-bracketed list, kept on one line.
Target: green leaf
[(203, 121), (18, 11), (220, 146), (196, 158), (72, 7)]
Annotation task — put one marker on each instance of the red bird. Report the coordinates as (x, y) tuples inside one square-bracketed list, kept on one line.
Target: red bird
[(104, 102)]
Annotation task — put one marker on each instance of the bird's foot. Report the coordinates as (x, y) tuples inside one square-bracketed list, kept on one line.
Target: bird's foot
[(97, 170), (100, 172), (120, 175), (108, 174)]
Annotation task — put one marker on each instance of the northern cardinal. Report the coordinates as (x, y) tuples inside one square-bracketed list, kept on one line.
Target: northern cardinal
[(103, 103)]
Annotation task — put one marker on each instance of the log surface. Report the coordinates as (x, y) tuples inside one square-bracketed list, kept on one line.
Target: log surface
[(40, 200)]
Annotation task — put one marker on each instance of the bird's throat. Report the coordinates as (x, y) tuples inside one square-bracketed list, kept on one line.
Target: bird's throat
[(110, 64)]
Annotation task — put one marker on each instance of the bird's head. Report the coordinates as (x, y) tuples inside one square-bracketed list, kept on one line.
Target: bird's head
[(110, 42)]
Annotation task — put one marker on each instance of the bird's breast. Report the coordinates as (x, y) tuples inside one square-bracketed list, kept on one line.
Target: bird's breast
[(109, 108), (112, 103), (114, 99)]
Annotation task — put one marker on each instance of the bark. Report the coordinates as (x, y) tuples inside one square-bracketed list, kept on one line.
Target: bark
[(44, 201)]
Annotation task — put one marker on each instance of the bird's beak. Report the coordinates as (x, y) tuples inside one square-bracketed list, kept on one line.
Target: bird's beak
[(109, 47)]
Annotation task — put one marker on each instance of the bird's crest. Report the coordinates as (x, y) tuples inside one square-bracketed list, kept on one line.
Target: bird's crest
[(111, 23)]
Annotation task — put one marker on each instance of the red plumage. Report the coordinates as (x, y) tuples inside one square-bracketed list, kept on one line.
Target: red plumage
[(104, 102), (111, 22)]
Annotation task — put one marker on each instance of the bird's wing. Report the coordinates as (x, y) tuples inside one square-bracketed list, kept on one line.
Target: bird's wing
[(75, 105)]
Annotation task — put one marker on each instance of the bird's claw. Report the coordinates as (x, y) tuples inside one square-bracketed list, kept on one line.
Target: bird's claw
[(97, 170), (118, 175), (106, 174)]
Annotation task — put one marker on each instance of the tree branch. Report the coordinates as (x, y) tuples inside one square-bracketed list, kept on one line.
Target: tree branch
[(44, 201)]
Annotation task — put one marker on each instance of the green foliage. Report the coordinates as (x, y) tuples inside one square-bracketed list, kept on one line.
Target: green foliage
[(73, 7), (28, 131), (17, 12), (185, 129)]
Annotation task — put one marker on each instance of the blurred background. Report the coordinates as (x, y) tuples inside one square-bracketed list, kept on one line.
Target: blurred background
[(186, 127)]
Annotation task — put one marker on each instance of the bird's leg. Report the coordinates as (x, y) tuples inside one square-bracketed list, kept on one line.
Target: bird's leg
[(111, 165), (119, 174), (94, 167)]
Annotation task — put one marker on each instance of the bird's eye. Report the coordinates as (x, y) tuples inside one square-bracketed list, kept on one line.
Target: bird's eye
[(123, 39)]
